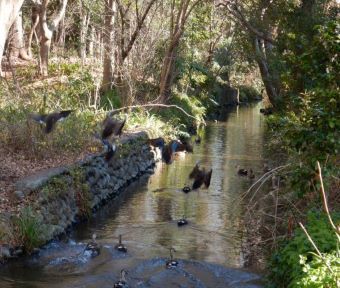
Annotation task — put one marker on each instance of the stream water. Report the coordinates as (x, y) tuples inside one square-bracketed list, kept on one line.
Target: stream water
[(208, 248)]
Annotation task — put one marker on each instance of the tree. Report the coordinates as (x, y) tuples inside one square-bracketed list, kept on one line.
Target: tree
[(179, 16), (260, 27), (127, 41), (46, 32), (9, 10), (16, 39), (109, 45)]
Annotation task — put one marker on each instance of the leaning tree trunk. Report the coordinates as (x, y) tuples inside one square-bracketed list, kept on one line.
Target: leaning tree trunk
[(16, 39), (109, 47), (46, 33), (167, 75), (267, 77), (9, 10)]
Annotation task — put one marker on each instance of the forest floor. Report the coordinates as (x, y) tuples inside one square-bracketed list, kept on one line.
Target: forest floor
[(17, 165)]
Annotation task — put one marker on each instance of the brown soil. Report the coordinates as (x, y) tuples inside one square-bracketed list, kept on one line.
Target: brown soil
[(17, 165)]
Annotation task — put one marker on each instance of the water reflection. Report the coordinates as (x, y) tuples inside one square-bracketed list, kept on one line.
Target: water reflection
[(147, 217)]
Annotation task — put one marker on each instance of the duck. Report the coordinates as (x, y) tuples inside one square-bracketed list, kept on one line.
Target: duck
[(266, 168), (93, 247), (51, 119), (112, 127), (266, 111), (110, 149), (200, 176), (120, 246), (241, 171), (122, 281), (185, 146), (182, 222), (198, 139), (169, 150), (251, 174), (157, 142), (186, 189), (171, 263)]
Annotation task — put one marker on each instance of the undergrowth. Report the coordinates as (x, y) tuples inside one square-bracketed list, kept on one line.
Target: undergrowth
[(294, 265), (29, 229)]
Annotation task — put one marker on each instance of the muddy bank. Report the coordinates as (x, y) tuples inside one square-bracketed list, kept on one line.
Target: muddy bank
[(55, 199)]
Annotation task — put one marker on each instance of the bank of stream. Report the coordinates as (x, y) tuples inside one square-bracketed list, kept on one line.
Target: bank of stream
[(209, 248)]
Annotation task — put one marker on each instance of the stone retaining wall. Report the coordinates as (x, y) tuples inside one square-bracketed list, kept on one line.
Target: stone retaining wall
[(62, 196)]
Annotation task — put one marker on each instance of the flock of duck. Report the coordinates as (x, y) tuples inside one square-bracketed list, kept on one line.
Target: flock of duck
[(113, 128)]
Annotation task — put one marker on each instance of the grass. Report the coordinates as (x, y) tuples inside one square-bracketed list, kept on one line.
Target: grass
[(29, 229)]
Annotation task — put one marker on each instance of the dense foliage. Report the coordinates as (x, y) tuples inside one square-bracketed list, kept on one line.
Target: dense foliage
[(294, 265)]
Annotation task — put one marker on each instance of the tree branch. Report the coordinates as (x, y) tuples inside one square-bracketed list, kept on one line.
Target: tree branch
[(153, 105)]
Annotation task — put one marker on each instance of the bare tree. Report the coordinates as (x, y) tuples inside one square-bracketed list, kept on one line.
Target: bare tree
[(179, 16), (46, 32), (109, 45), (127, 41), (34, 24), (9, 10)]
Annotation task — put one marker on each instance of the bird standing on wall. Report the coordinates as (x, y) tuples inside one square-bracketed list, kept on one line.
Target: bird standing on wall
[(51, 119), (112, 127)]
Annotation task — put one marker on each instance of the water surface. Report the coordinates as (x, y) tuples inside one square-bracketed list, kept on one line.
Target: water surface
[(208, 249)]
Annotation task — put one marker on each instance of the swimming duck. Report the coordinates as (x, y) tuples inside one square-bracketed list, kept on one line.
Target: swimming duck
[(198, 139), (170, 263), (186, 189), (182, 222), (120, 246), (241, 171), (251, 174), (112, 127), (93, 247), (122, 281), (200, 177), (50, 119), (266, 111)]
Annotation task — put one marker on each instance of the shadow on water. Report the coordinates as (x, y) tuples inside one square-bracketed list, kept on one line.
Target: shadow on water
[(146, 217)]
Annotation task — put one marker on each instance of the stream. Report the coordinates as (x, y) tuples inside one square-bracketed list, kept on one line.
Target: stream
[(208, 249)]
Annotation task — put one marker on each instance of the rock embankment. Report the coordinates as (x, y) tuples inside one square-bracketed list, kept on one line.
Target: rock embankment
[(57, 198)]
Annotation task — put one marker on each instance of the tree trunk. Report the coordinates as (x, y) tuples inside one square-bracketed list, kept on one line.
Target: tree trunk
[(91, 41), (109, 47), (84, 27), (34, 24), (176, 31), (16, 39), (167, 76), (9, 10), (46, 33), (267, 78)]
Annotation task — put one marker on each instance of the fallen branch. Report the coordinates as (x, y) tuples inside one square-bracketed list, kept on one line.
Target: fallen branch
[(154, 105)]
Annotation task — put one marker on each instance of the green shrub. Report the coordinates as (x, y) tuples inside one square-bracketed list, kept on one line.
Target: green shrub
[(286, 268), (29, 228), (316, 273), (82, 192)]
